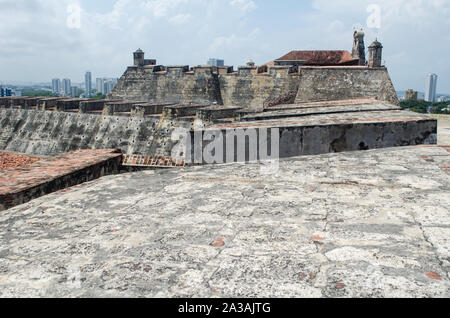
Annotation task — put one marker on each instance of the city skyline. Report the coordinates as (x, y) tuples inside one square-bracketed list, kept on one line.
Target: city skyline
[(215, 62), (230, 29), (64, 87)]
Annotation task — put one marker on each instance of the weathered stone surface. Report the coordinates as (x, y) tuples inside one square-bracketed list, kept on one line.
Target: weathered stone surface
[(299, 111), (50, 133), (173, 85), (334, 83), (254, 91), (361, 224)]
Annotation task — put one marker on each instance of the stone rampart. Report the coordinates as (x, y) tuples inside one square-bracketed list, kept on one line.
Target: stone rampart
[(337, 83), (170, 84), (50, 133), (249, 87), (253, 88)]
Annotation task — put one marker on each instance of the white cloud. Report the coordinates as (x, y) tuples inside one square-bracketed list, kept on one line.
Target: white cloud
[(161, 8), (180, 19), (244, 5)]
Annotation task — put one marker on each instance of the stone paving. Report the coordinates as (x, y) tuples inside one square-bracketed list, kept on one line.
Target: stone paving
[(358, 224)]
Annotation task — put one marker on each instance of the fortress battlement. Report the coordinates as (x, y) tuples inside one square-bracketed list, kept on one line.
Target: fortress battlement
[(299, 76), (179, 70)]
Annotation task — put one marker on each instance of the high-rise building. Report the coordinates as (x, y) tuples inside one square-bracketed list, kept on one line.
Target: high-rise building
[(99, 85), (56, 86), (66, 87), (216, 62), (108, 85), (430, 91), (6, 92), (74, 91), (88, 83)]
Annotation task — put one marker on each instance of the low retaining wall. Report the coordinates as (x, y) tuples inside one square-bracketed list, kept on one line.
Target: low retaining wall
[(313, 139)]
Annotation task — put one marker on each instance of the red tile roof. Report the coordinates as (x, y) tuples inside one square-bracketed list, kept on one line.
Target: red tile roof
[(322, 58)]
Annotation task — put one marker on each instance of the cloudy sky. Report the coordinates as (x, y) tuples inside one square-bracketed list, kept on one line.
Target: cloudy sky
[(44, 39)]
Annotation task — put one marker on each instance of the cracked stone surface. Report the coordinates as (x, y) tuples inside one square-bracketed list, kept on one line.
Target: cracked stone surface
[(443, 129), (358, 224)]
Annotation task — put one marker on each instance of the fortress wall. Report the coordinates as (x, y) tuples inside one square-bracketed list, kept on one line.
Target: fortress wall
[(50, 133), (177, 84), (337, 83), (254, 92), (174, 85)]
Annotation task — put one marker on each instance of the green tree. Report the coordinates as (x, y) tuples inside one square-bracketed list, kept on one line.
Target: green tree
[(420, 106), (99, 96), (34, 93)]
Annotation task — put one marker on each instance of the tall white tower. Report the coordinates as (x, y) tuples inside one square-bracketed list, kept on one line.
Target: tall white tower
[(430, 90), (88, 83)]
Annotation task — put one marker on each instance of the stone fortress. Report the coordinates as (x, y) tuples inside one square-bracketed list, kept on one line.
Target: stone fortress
[(322, 101), (297, 77)]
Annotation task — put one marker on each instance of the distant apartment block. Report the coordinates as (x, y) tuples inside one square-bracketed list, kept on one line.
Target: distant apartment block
[(411, 95), (442, 99), (99, 82), (108, 85), (74, 91), (6, 92), (66, 87), (215, 62), (431, 85), (56, 86)]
